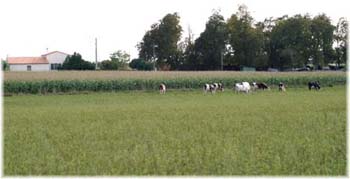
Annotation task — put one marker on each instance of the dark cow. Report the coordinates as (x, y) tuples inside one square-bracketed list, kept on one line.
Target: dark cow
[(259, 85), (314, 84), (281, 87)]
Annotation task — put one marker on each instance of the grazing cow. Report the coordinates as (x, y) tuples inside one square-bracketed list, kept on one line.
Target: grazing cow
[(242, 87), (259, 85), (221, 87), (218, 86), (314, 84), (281, 87), (162, 88), (206, 87), (210, 87)]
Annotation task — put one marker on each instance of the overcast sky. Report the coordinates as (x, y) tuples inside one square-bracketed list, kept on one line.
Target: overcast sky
[(29, 27)]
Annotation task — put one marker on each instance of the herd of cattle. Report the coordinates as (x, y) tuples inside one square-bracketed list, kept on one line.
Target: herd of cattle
[(244, 87)]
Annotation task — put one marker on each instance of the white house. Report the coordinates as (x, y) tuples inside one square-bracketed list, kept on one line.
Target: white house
[(55, 59), (28, 64), (47, 62)]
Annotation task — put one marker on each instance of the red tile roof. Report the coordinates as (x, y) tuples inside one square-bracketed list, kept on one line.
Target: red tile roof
[(53, 52), (27, 60)]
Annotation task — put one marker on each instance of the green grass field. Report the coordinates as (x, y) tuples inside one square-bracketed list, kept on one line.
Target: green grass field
[(299, 132)]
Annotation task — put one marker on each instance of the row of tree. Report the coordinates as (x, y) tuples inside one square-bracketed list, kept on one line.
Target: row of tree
[(282, 43), (118, 61), (239, 41)]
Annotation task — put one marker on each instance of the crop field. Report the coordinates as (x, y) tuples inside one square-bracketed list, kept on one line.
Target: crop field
[(183, 132), (113, 75), (109, 81)]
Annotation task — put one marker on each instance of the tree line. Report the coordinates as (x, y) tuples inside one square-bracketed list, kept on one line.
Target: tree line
[(282, 43), (118, 61)]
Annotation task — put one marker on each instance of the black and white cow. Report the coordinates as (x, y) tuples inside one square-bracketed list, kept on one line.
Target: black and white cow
[(218, 86), (260, 85), (209, 87), (314, 84), (206, 87), (281, 87), (162, 88)]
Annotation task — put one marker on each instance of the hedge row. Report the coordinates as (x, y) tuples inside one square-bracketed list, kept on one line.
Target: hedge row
[(59, 86)]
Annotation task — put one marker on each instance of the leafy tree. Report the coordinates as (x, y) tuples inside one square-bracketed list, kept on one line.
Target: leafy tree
[(340, 37), (5, 65), (75, 62), (190, 62), (265, 54), (108, 65), (121, 59), (161, 42), (141, 64), (118, 60), (210, 46), (147, 46), (321, 40), (245, 40), (291, 42)]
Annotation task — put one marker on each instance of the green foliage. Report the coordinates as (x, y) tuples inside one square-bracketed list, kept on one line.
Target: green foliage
[(291, 41), (55, 86), (4, 65), (322, 40), (161, 42), (75, 62), (141, 64), (283, 43), (118, 61), (108, 65), (121, 59), (182, 133), (210, 46), (341, 39), (246, 41)]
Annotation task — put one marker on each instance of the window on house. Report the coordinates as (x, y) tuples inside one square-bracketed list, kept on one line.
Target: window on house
[(29, 68), (55, 66)]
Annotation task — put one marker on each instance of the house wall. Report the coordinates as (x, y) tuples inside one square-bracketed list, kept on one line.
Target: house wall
[(35, 67), (56, 57)]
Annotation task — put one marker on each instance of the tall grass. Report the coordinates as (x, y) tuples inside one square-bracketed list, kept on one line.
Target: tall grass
[(300, 133)]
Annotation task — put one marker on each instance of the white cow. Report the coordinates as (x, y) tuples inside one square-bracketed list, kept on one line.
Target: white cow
[(242, 87)]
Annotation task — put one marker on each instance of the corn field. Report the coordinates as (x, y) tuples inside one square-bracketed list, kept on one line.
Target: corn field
[(62, 82)]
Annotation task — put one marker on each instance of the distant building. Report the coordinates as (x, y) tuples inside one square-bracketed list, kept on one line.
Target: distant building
[(47, 62)]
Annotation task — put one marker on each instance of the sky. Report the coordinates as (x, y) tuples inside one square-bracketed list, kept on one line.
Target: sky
[(33, 27)]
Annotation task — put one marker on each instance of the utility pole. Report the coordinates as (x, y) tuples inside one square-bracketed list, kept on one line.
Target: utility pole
[(95, 53)]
